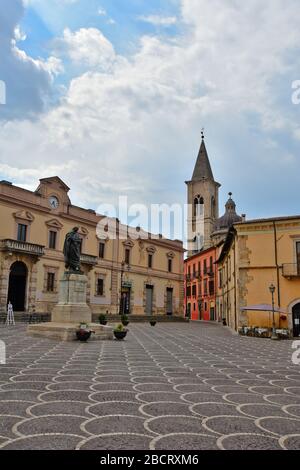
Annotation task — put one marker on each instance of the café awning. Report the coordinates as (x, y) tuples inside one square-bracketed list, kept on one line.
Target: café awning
[(262, 308)]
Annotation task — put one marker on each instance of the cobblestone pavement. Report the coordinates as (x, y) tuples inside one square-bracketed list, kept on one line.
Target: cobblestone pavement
[(174, 386)]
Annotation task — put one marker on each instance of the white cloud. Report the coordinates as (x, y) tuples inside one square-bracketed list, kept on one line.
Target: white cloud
[(132, 125), (158, 20), (19, 35), (102, 12), (87, 46)]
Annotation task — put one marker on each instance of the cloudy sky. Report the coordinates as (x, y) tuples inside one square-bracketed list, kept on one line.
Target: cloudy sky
[(111, 95)]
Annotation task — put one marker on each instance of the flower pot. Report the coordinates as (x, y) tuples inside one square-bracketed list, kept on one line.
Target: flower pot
[(120, 335), (103, 322), (83, 335), (125, 322), (153, 323)]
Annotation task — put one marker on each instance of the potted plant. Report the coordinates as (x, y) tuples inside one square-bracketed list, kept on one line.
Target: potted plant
[(124, 320), (83, 334), (152, 321), (120, 332), (102, 319)]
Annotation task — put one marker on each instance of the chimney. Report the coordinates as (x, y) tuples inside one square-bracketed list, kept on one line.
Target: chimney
[(243, 217)]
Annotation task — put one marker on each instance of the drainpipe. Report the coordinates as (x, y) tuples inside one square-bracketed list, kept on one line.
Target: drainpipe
[(235, 276), (276, 263)]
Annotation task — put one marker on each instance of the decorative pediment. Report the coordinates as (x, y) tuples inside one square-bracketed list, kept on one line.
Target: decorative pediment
[(128, 243), (24, 215), (54, 223), (151, 250), (170, 255), (83, 231)]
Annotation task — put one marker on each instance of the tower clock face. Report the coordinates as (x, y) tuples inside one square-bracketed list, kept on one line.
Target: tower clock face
[(54, 202)]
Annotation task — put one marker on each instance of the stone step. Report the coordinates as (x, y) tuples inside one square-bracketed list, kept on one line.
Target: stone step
[(143, 318)]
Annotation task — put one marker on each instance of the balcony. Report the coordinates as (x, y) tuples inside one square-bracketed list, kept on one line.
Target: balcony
[(291, 270), (14, 246), (88, 260)]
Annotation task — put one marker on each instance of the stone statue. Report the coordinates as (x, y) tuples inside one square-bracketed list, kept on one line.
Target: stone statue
[(72, 251)]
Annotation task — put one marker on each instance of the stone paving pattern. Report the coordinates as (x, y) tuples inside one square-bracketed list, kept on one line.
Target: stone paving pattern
[(171, 387)]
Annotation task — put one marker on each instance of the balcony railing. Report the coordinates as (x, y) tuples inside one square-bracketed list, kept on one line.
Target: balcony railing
[(15, 246), (291, 270), (88, 259)]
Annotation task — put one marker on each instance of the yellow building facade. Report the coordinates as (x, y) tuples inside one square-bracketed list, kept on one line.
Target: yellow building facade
[(256, 254), (132, 275)]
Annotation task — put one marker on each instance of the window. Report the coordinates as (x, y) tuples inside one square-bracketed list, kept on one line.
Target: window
[(211, 287), (170, 265), (199, 288), (150, 261), (127, 256), (22, 232), (211, 267), (194, 270), (198, 206), (205, 286), (188, 291), (194, 290), (199, 269), (101, 250), (52, 239), (50, 282), (169, 301), (220, 279), (205, 267), (100, 287), (298, 256), (213, 207)]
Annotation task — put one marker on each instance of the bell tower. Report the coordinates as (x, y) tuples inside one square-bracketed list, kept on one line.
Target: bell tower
[(203, 203)]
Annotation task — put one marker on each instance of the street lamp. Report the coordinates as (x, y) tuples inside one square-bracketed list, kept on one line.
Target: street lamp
[(272, 289)]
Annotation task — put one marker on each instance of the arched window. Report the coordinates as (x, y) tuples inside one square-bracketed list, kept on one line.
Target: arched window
[(198, 206), (213, 207), (201, 206)]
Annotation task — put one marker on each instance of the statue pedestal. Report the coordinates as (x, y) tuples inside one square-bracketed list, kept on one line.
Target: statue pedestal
[(72, 306), (70, 311)]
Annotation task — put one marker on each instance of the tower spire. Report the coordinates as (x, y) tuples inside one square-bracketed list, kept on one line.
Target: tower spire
[(202, 168)]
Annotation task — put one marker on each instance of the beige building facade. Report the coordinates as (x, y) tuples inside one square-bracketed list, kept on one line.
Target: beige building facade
[(137, 275), (256, 254)]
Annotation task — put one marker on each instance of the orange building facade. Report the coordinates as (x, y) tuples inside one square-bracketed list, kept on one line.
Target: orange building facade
[(200, 285)]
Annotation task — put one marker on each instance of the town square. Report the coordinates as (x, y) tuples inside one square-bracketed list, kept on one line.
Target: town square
[(172, 387)]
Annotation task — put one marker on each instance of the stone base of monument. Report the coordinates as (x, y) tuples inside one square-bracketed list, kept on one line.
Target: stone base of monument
[(70, 311), (67, 332)]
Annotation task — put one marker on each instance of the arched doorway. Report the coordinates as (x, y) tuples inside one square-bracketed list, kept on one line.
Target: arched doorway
[(296, 320), (17, 286)]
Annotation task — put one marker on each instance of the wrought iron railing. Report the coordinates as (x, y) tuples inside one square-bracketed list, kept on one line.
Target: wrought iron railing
[(88, 259)]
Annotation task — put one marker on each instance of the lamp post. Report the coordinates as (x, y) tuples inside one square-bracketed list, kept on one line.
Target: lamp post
[(272, 289)]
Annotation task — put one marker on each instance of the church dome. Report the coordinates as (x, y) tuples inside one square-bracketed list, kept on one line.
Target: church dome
[(229, 218)]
